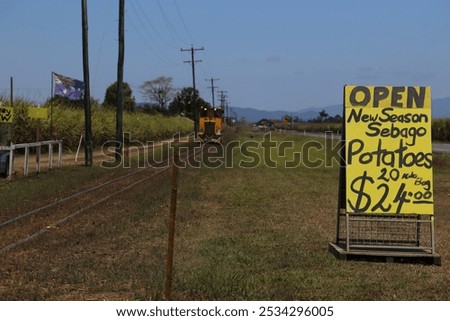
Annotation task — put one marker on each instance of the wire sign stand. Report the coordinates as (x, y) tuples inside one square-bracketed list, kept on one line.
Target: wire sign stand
[(385, 203)]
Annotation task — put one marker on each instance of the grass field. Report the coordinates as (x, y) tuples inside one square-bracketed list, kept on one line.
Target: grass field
[(249, 232)]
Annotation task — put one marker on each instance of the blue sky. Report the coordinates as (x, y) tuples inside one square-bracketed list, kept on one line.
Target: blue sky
[(272, 55)]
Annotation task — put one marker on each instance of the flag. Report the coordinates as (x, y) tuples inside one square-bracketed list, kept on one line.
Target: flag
[(68, 87)]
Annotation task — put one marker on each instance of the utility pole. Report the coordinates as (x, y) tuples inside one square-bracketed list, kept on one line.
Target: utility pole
[(194, 97), (227, 113), (120, 101), (223, 98), (87, 93), (212, 89)]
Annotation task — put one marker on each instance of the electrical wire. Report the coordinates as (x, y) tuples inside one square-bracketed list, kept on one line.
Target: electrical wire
[(183, 22), (146, 30), (149, 22), (154, 48), (100, 52), (169, 25), (206, 67)]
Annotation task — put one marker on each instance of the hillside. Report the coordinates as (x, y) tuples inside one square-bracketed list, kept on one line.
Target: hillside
[(440, 109)]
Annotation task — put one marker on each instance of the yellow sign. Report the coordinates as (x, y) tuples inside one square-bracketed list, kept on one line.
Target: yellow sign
[(388, 150), (36, 112), (6, 114)]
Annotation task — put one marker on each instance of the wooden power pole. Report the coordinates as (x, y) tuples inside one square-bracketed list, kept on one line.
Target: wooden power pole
[(120, 100), (212, 90), (194, 106), (87, 93), (223, 98)]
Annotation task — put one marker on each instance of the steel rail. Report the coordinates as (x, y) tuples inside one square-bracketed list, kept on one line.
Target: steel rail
[(67, 217), (64, 219), (65, 199)]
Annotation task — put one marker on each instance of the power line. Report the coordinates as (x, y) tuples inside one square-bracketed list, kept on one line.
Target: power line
[(169, 25), (153, 48), (182, 21), (144, 22), (100, 52), (149, 22)]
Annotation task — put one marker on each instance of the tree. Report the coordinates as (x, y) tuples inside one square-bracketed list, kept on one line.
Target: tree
[(159, 90), (323, 115), (264, 122), (111, 97), (183, 102), (337, 118)]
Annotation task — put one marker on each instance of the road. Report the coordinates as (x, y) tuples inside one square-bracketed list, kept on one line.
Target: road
[(437, 147), (441, 148)]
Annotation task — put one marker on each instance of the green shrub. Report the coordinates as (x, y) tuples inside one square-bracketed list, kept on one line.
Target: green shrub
[(440, 129)]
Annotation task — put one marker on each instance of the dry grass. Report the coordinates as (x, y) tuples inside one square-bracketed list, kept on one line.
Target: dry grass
[(242, 234)]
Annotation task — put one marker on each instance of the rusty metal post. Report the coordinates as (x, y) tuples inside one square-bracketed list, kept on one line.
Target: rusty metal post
[(171, 238)]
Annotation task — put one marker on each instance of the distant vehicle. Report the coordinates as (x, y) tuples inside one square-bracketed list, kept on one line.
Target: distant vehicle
[(210, 125)]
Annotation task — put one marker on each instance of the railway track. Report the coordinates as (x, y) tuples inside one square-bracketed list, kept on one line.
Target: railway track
[(24, 227)]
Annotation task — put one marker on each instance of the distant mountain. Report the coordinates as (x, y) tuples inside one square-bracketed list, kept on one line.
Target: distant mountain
[(253, 114), (440, 108)]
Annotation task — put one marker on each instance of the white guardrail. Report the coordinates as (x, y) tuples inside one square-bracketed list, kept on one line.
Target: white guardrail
[(26, 160)]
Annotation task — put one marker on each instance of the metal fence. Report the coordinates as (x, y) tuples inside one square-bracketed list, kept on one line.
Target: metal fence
[(38, 148)]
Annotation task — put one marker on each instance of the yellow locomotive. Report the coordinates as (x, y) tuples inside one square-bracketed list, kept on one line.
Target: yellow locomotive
[(210, 125)]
